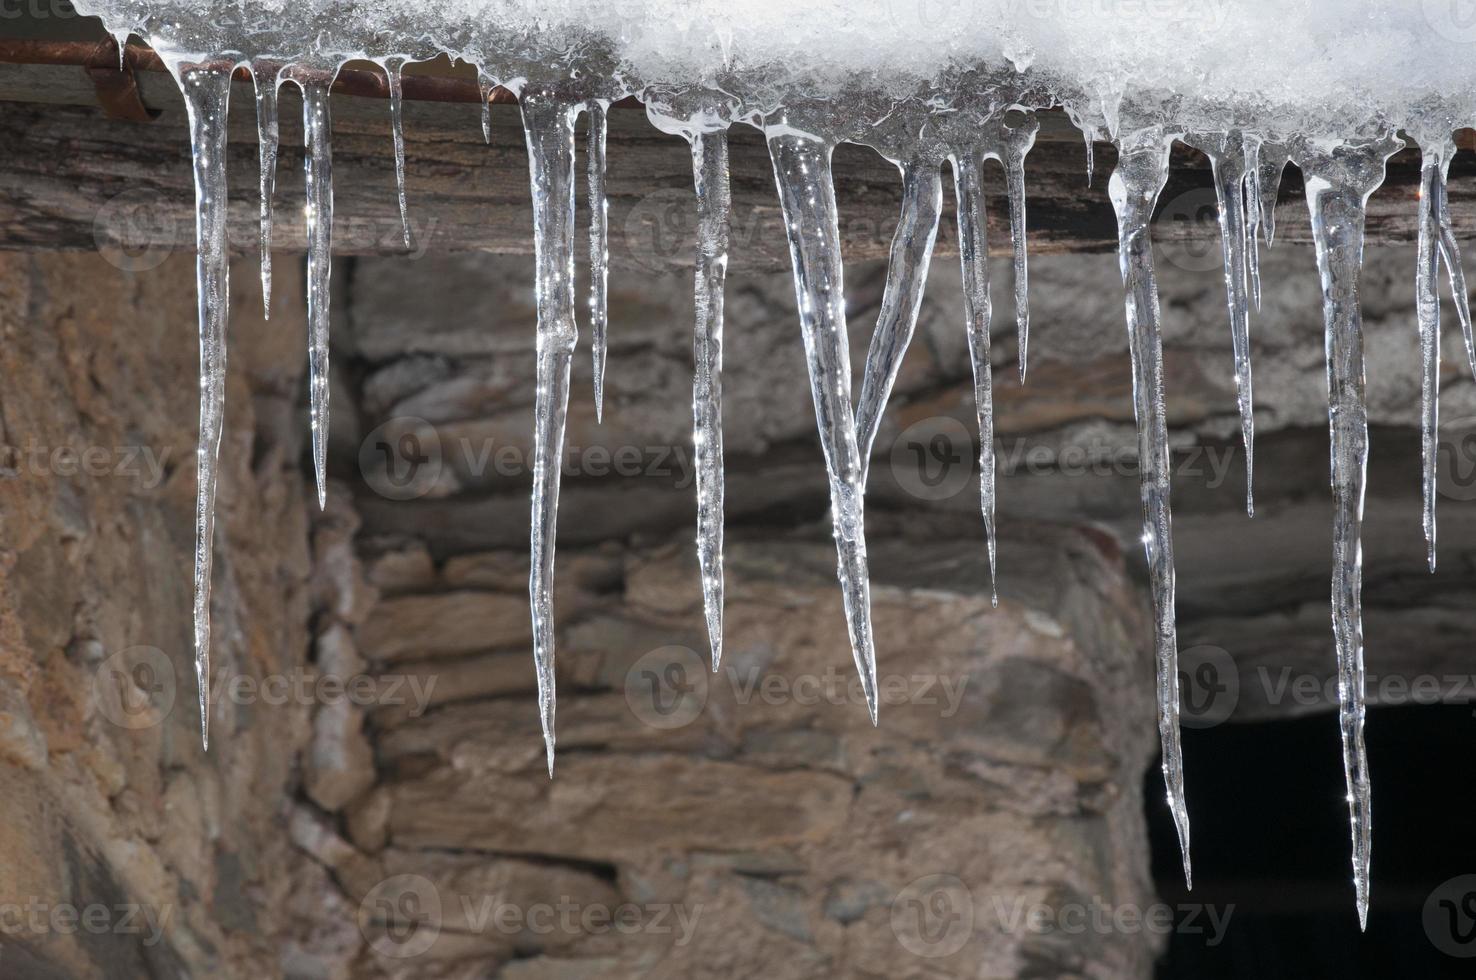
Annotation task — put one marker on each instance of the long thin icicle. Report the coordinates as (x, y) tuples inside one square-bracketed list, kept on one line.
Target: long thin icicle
[(317, 128), (973, 253), (265, 78), (599, 250), (710, 179), (392, 69), (1427, 308), (1250, 192), (1339, 181), (1450, 254), (1015, 145), (907, 274), (1227, 165), (207, 94), (807, 195), (1142, 171), (548, 125)]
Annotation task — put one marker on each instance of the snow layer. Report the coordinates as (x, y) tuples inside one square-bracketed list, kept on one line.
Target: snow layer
[(1271, 65)]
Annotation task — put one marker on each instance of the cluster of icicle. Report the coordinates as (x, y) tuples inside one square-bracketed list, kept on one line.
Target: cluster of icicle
[(985, 118)]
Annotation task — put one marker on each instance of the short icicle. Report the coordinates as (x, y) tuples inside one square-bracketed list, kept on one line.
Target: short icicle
[(599, 250), (1427, 309), (1339, 180), (318, 175), (1016, 143), (973, 253), (710, 179), (807, 195), (485, 85), (392, 68), (1250, 194), (207, 94), (1271, 165), (266, 78), (1450, 254), (1142, 171), (907, 274), (1227, 166), (548, 124)]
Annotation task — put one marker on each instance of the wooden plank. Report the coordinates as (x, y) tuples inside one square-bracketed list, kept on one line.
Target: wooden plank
[(71, 178)]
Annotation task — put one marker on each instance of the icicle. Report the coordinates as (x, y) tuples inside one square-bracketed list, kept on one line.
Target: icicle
[(599, 250), (710, 178), (548, 124), (1450, 254), (1339, 181), (485, 86), (318, 175), (207, 94), (807, 195), (1427, 307), (1227, 166), (1016, 143), (266, 137), (907, 274), (1091, 154), (973, 252), (392, 69), (1142, 171), (1273, 160), (1250, 191)]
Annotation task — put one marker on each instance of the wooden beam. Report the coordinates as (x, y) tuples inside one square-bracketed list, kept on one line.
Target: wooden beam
[(72, 178)]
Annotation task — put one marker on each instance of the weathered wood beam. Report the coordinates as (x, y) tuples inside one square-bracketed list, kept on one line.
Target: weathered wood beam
[(72, 178)]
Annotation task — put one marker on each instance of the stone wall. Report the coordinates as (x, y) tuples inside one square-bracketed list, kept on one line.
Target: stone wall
[(740, 823), (127, 851), (374, 803), (749, 822)]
